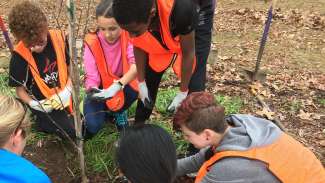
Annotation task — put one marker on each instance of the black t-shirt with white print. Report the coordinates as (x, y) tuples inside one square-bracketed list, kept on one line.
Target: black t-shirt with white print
[(46, 62)]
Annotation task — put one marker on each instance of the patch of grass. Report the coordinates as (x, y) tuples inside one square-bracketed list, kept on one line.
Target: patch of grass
[(232, 104), (295, 105), (180, 143), (99, 150), (34, 137), (164, 98), (322, 101), (132, 109), (4, 87)]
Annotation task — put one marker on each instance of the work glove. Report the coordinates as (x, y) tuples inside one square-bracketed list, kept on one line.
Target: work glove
[(43, 105), (108, 92), (144, 95), (62, 99), (177, 101)]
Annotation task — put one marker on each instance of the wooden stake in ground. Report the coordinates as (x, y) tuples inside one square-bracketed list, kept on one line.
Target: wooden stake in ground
[(74, 70)]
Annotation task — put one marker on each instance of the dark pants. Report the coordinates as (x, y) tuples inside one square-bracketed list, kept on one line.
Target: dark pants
[(152, 79), (202, 48), (61, 117), (203, 35), (96, 112)]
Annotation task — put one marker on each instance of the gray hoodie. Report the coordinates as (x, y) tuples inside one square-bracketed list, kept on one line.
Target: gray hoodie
[(246, 132)]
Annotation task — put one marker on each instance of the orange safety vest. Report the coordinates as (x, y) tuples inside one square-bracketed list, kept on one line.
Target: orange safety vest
[(286, 158), (160, 57), (58, 42), (107, 77)]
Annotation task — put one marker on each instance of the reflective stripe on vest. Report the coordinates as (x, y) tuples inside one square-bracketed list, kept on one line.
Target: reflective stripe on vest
[(159, 57), (57, 38), (107, 77), (286, 158)]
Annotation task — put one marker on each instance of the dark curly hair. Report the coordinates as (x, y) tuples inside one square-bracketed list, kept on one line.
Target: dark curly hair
[(132, 11), (200, 111), (27, 22)]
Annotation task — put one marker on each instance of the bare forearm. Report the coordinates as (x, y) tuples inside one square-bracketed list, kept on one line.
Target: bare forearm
[(140, 60), (186, 72), (23, 95), (188, 52), (130, 75)]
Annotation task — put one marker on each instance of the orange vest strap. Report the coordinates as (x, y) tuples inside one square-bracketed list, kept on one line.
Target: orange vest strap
[(286, 158), (159, 57), (58, 42)]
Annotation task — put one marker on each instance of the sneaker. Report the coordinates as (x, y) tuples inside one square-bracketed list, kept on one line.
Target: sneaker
[(121, 179)]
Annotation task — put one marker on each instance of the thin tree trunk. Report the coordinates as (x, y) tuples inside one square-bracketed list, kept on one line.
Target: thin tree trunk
[(75, 77)]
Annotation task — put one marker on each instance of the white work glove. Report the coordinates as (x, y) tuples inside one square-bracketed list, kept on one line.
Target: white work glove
[(144, 95), (108, 92), (177, 101), (62, 99), (43, 105)]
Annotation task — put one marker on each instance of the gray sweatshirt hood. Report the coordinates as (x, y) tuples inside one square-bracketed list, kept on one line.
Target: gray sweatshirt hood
[(247, 132)]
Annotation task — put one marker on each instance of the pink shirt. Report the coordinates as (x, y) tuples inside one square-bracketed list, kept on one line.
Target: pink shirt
[(113, 57)]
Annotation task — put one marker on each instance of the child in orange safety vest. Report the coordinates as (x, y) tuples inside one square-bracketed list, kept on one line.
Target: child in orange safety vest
[(39, 69), (240, 148), (163, 35), (110, 72)]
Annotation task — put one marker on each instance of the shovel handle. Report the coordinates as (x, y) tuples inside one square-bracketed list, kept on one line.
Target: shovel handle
[(6, 35), (264, 37)]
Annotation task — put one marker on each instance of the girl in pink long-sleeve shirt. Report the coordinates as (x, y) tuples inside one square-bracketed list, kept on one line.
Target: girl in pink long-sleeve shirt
[(109, 35)]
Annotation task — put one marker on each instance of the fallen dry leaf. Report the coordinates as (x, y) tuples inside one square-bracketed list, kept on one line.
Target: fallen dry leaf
[(266, 113), (303, 115)]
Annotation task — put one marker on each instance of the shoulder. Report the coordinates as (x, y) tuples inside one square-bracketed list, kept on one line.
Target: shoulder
[(17, 60), (17, 166), (184, 16), (183, 7), (236, 168), (90, 38)]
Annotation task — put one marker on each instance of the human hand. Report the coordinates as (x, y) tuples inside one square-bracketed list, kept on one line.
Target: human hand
[(144, 95), (62, 99), (177, 101), (43, 105), (108, 92)]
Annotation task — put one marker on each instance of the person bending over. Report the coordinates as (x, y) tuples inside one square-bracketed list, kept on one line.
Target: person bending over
[(240, 147)]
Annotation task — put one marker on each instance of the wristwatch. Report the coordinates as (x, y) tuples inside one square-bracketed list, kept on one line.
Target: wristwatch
[(120, 83)]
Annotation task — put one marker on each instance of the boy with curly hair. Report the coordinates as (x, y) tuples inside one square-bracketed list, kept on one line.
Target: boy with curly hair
[(39, 68)]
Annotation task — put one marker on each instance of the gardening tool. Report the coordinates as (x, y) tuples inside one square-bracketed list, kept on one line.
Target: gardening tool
[(6, 35), (256, 75)]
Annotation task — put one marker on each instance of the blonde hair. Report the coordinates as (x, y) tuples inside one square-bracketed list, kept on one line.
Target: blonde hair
[(13, 116)]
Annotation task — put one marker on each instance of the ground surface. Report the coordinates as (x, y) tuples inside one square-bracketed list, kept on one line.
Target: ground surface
[(293, 59)]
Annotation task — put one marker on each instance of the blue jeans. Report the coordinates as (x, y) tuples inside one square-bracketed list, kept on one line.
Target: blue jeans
[(96, 112)]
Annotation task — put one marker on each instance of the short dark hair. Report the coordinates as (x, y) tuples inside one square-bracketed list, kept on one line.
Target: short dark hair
[(104, 8), (132, 11), (147, 154), (200, 111)]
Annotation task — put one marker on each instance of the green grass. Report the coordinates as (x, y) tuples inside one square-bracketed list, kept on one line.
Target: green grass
[(99, 151), (4, 87), (322, 101), (164, 98), (232, 104)]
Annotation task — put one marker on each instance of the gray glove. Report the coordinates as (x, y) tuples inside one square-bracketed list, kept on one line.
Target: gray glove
[(108, 92)]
